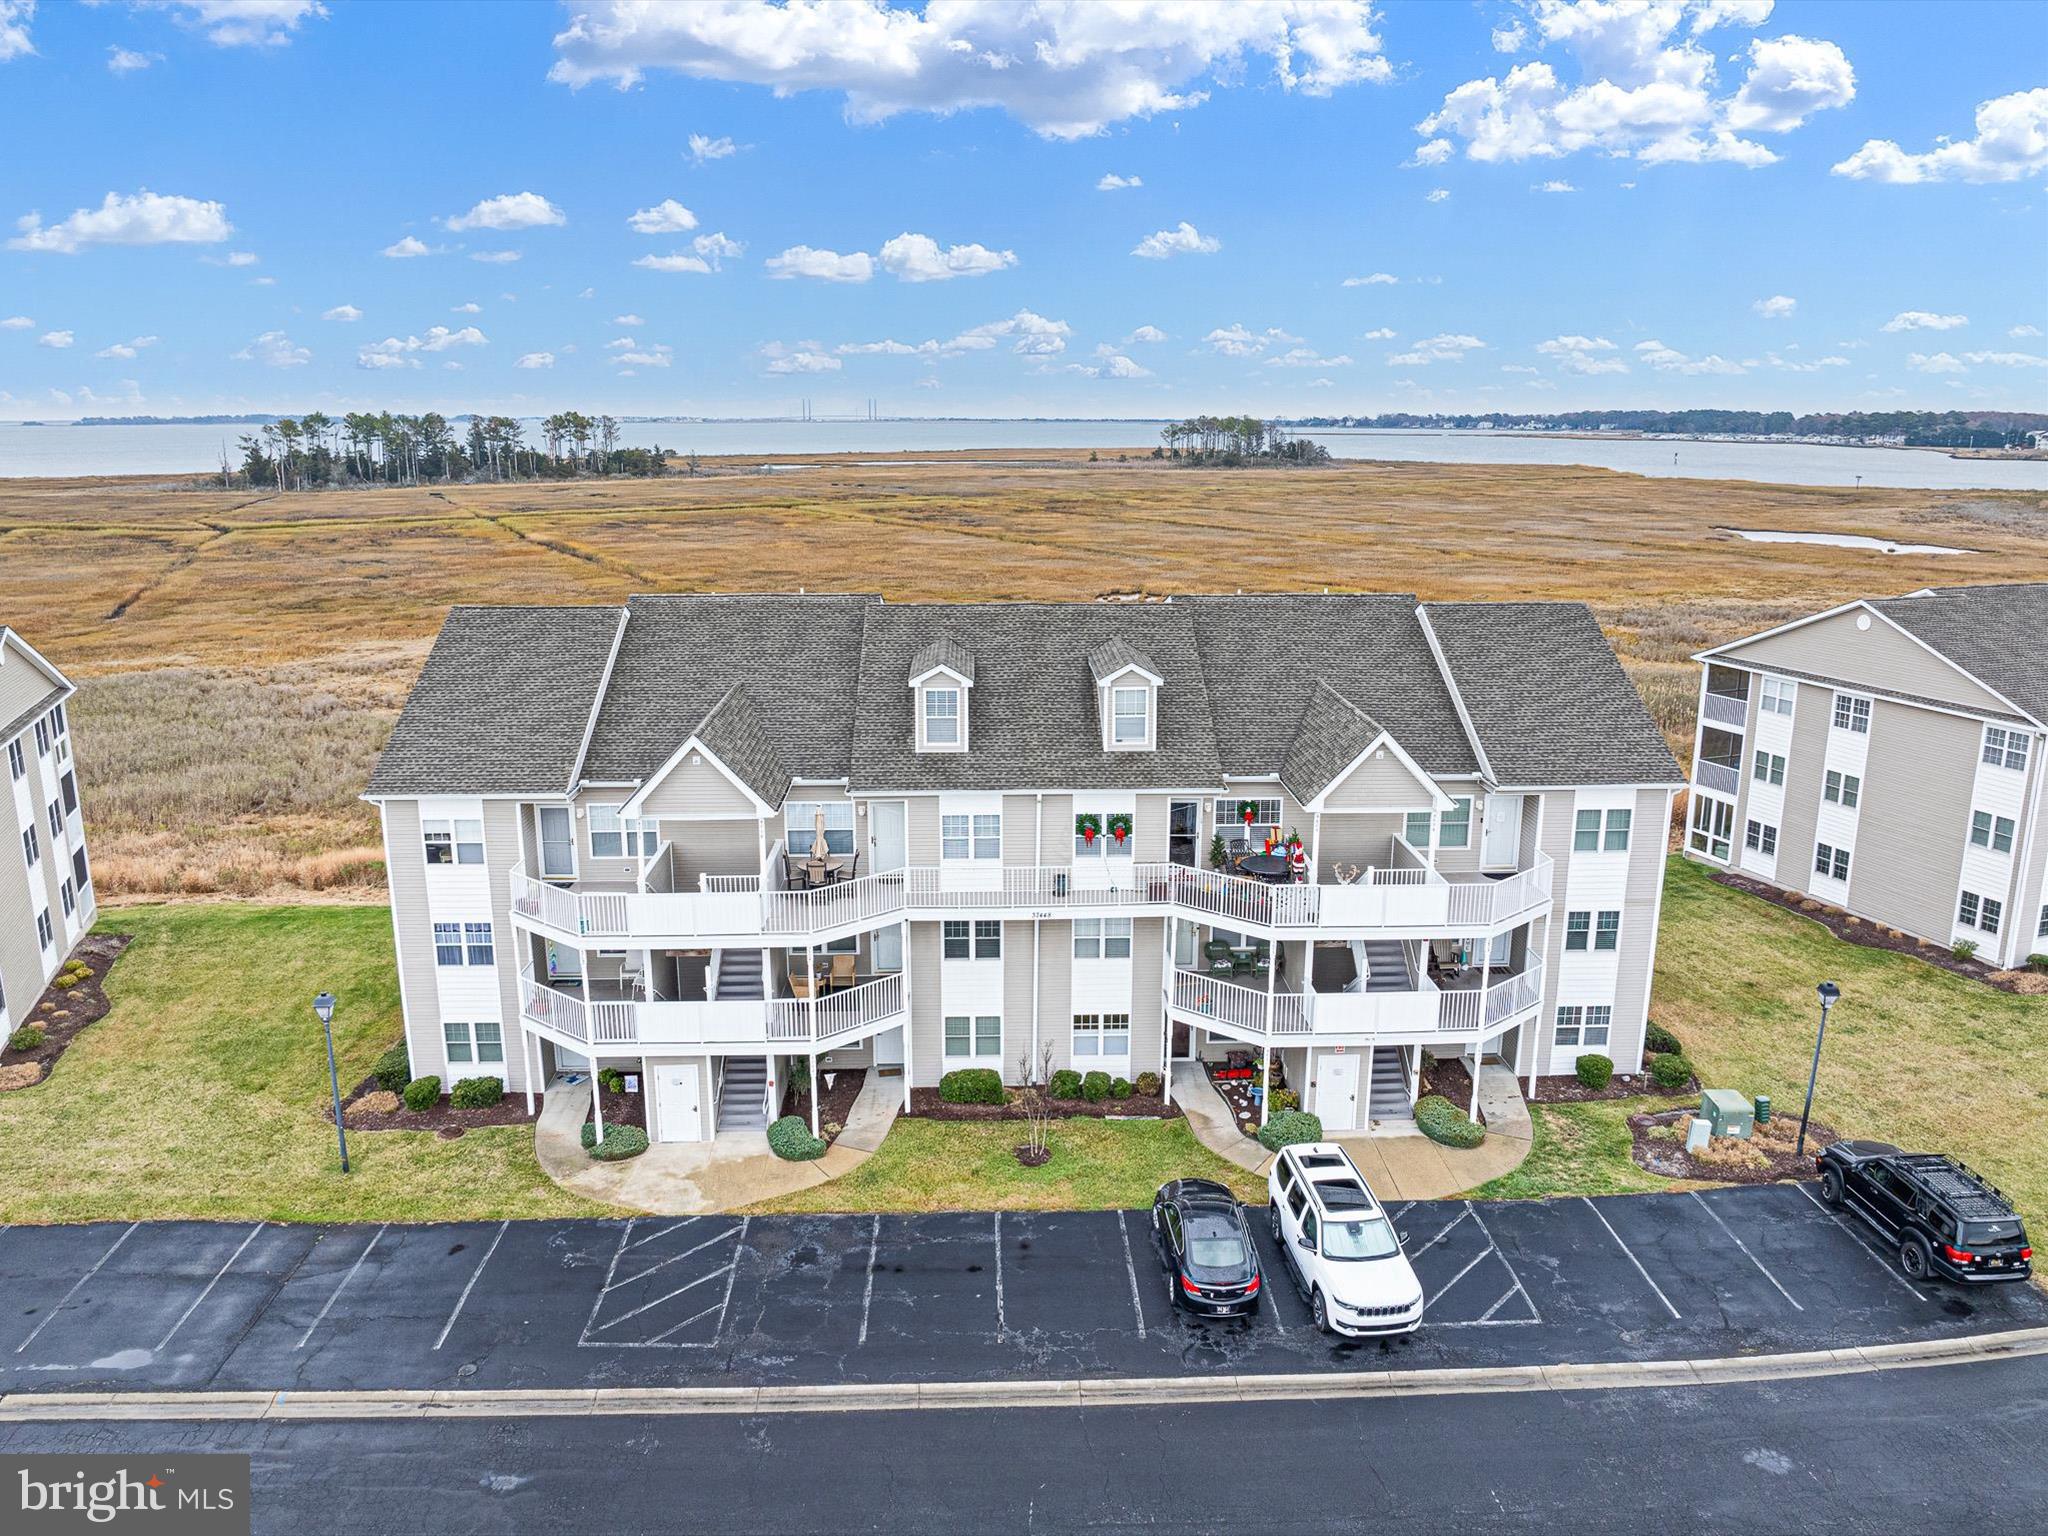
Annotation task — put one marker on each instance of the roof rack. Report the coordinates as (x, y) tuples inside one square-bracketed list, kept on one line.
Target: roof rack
[(1970, 1192)]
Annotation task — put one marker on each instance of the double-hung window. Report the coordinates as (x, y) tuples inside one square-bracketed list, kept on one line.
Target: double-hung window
[(1582, 1026), (1586, 832), (1607, 930), (1984, 913), (613, 836), (1454, 827), (1618, 822), (802, 818), (17, 765), (981, 939), (1989, 831), (1843, 789), (1130, 716), (30, 849), (447, 943), (1761, 837), (480, 1043), (1102, 938), (56, 815), (45, 935), (453, 842), (971, 837), (64, 895), (1770, 768), (1592, 930), (2005, 748), (43, 737), (942, 717), (1830, 861), (2041, 928), (1778, 696), (1852, 713), (976, 1035), (1102, 1034), (988, 938), (1105, 843), (1265, 821), (476, 940), (1578, 930)]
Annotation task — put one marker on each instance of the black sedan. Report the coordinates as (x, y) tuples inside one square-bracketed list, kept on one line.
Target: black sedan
[(1206, 1248)]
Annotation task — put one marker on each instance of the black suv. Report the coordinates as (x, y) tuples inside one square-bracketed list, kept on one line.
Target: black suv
[(1941, 1218)]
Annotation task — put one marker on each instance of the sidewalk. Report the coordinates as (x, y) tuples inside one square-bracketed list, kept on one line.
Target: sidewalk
[(695, 1178)]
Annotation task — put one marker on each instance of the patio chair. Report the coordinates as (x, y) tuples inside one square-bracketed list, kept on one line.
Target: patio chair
[(1216, 949), (840, 868), (1222, 966), (843, 974)]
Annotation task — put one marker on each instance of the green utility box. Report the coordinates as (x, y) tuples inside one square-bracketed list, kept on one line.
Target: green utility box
[(1727, 1112), (1763, 1109)]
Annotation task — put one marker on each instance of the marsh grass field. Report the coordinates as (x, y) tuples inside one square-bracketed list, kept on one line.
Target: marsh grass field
[(242, 655)]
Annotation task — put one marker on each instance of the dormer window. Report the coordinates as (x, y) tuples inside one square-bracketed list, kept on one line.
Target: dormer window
[(941, 717), (1127, 687), (1130, 717), (940, 676)]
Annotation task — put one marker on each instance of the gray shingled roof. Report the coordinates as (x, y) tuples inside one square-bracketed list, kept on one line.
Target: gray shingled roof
[(733, 733), (1263, 655), (796, 657), (21, 722), (1116, 654), (1332, 734), (1994, 633), (945, 651), (1033, 721), (501, 706), (1549, 702)]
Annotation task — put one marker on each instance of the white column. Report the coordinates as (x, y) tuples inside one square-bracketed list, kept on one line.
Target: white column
[(1172, 934), (1479, 1043), (596, 1101), (1031, 1065), (909, 1015), (1315, 848), (817, 1089), (1272, 978), (1414, 1074), (1436, 817), (529, 1058)]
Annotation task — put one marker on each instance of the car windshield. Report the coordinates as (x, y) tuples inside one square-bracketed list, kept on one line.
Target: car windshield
[(1214, 1243), (1978, 1233), (1372, 1238)]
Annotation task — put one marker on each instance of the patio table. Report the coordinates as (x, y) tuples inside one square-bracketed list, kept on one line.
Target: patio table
[(1270, 867)]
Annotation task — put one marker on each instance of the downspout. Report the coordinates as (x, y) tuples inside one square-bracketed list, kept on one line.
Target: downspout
[(1037, 863), (2018, 933)]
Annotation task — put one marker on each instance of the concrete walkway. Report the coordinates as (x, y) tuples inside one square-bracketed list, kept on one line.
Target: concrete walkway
[(1397, 1167), (695, 1178)]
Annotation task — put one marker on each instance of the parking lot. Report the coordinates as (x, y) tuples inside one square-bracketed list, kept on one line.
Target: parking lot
[(952, 1296)]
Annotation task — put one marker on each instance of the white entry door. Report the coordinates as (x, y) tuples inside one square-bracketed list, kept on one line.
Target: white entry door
[(888, 835), (889, 1047), (1500, 836), (1337, 1091), (679, 1103)]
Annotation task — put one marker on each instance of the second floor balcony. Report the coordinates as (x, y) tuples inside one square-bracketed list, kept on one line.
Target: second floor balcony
[(595, 1017)]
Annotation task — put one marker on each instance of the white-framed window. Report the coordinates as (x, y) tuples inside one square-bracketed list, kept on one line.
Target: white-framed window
[(1583, 1027), (1713, 826), (30, 849), (1593, 930), (464, 944), (1843, 789), (1989, 831), (975, 1035), (57, 721), (942, 717), (613, 836), (476, 940), (801, 817), (979, 836), (56, 815), (1130, 716), (43, 737), (1105, 844), (64, 895), (482, 1044), (1102, 938), (1983, 913), (1761, 837), (1619, 822), (1831, 861), (1586, 832), (1778, 696), (1101, 1034), (17, 765), (2005, 748), (81, 876), (2041, 927), (1454, 826), (1265, 819), (453, 842), (1852, 713), (1770, 768), (44, 934), (979, 939), (447, 943)]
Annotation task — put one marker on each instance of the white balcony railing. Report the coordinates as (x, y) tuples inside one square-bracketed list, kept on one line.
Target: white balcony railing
[(724, 1023), (1422, 1015)]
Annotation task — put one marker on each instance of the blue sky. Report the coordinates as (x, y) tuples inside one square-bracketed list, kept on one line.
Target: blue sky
[(1337, 208)]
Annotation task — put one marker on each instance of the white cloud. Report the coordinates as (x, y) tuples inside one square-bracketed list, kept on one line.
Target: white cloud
[(1437, 195), (1553, 186), (804, 357), (1582, 354), (1446, 347), (496, 258), (126, 349), (146, 218), (1432, 152), (57, 340), (1778, 306), (711, 251), (1647, 86), (918, 259), (2004, 359), (512, 210), (1923, 320), (23, 323), (1939, 362), (1148, 333), (704, 149), (2024, 330), (1519, 368), (1670, 360), (535, 360), (1035, 336), (242, 23), (234, 259), (1794, 365), (1382, 334), (1112, 365), (827, 266), (1510, 38), (1372, 280), (627, 320), (667, 217), (343, 312), (1167, 242), (274, 349), (1111, 182), (470, 308), (1238, 340), (675, 261), (636, 358), (407, 247), (2011, 142), (120, 61), (1307, 357), (262, 282), (621, 344), (1068, 69), (15, 15), (394, 352)]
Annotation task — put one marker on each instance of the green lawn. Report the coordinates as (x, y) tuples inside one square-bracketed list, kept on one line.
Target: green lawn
[(936, 1165), (1577, 1149), (201, 1093)]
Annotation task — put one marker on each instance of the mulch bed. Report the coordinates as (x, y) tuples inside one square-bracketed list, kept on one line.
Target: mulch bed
[(62, 1012), (1766, 1158), (834, 1107), (926, 1104), (1234, 1083), (622, 1108), (1450, 1080), (443, 1120), (1567, 1089), (1851, 929)]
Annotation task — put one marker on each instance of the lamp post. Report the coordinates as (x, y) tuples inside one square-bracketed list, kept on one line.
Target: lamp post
[(1828, 993), (323, 1006)]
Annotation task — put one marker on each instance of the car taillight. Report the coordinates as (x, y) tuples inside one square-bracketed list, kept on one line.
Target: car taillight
[(1189, 1286), (1253, 1288), (2026, 1253), (1957, 1255)]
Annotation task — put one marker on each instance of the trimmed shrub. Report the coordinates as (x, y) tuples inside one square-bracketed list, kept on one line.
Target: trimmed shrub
[(1095, 1087), (2038, 962), (1148, 1082), (26, 1038), (393, 1069), (476, 1093), (1595, 1071), (1064, 1084), (1289, 1127), (1659, 1041), (1670, 1070), (791, 1140), (422, 1093), (1964, 949), (1285, 1099), (620, 1142), (1119, 1087), (972, 1085), (66, 981), (1444, 1123), (611, 1080)]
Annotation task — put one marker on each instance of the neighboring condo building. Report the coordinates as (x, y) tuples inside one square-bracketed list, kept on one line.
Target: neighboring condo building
[(1887, 757), (696, 837), (46, 896)]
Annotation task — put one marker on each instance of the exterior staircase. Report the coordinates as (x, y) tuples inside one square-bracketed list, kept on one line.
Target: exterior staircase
[(1388, 1097), (1386, 965), (739, 974), (740, 1106)]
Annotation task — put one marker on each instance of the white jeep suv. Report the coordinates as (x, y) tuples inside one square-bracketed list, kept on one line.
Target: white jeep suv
[(1340, 1244)]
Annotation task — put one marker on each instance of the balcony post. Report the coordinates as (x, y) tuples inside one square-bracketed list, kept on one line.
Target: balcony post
[(1315, 847), (817, 1087), (1166, 987), (1272, 977), (1479, 1041), (909, 1013)]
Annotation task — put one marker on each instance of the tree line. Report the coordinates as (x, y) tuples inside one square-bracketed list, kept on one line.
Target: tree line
[(1236, 440), (1947, 429), (317, 451)]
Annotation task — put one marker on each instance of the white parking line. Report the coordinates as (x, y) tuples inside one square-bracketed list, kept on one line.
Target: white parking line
[(1858, 1236), (1131, 1269), (662, 1336), (160, 1343), (1418, 1253), (664, 1263), (610, 1270), (1461, 1274), (1653, 1285), (674, 1226), (867, 1296), (1745, 1251), (1527, 1300), (649, 1306), (1002, 1327), (463, 1300), (47, 1316), (331, 1300)]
